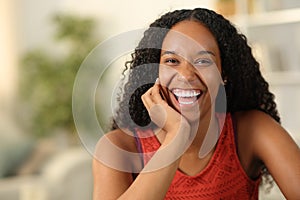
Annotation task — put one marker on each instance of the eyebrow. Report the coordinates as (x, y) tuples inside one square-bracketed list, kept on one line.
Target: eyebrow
[(206, 52), (202, 52)]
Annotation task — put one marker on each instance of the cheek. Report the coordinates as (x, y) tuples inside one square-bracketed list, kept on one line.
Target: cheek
[(165, 75), (212, 79)]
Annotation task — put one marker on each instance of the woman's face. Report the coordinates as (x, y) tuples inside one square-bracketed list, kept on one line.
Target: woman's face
[(190, 68)]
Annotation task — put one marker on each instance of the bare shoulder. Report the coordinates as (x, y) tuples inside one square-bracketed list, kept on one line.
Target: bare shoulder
[(262, 137), (255, 120), (263, 130), (258, 128), (122, 139), (250, 126), (116, 151), (114, 163)]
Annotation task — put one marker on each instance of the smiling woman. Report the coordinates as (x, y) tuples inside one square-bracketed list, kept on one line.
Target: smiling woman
[(207, 128), (190, 66)]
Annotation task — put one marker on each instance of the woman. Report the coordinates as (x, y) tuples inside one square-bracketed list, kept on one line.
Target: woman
[(194, 143)]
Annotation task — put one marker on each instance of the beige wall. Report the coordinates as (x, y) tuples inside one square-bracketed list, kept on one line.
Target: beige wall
[(26, 24), (8, 54)]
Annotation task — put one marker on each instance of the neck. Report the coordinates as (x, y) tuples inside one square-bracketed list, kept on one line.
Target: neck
[(207, 126)]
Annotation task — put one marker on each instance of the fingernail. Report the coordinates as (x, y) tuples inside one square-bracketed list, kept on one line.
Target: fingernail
[(157, 80)]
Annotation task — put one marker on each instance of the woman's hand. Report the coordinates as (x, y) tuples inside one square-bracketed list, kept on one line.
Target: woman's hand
[(163, 115)]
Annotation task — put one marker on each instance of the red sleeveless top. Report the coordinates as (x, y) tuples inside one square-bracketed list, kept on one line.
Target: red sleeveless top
[(222, 178)]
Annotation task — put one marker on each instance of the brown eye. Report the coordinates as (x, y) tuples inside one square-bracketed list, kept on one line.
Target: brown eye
[(203, 62), (171, 61)]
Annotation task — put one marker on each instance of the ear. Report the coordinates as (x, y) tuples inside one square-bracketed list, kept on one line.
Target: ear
[(224, 80)]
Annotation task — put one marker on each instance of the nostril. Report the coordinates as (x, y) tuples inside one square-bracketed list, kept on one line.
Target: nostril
[(187, 76), (181, 77)]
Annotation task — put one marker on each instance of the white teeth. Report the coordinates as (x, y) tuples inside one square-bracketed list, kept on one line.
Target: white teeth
[(186, 103), (186, 93), (186, 96)]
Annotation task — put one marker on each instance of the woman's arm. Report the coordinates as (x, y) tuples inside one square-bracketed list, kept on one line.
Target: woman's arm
[(113, 184), (278, 151), (110, 183), (155, 178), (151, 183)]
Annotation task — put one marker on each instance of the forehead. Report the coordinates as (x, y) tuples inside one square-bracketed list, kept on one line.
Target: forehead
[(190, 34)]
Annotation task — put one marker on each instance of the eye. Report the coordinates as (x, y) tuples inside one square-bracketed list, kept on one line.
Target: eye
[(171, 61), (203, 62)]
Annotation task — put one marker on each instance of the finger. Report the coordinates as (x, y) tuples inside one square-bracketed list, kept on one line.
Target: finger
[(158, 115), (146, 99), (157, 82), (156, 96), (155, 92)]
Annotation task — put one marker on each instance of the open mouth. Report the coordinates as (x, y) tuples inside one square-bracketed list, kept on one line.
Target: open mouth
[(186, 96)]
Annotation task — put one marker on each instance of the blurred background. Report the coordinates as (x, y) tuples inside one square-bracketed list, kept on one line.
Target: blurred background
[(42, 45)]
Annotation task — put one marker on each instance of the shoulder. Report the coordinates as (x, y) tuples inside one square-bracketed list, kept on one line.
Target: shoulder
[(255, 127), (116, 155), (254, 119), (265, 139), (259, 133), (119, 138), (112, 164), (249, 127), (255, 124)]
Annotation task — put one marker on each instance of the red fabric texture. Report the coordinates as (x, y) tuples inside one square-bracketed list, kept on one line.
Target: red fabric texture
[(222, 178)]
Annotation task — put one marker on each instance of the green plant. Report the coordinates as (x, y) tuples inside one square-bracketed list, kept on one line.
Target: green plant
[(47, 79)]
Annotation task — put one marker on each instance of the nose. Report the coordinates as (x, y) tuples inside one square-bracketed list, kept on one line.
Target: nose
[(186, 72)]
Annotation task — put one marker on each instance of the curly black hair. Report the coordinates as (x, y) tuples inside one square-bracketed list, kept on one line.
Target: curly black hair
[(246, 89)]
